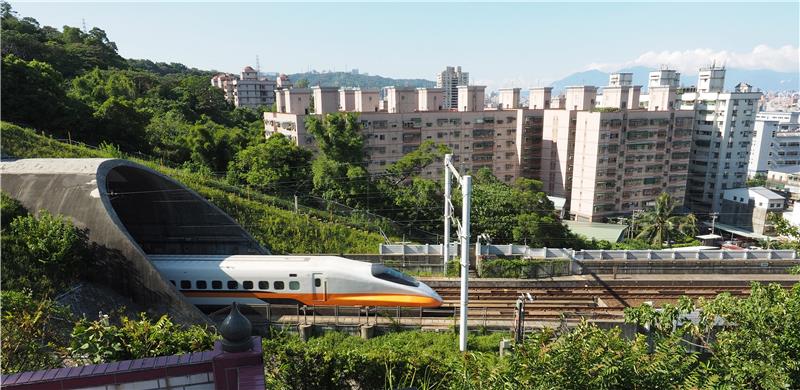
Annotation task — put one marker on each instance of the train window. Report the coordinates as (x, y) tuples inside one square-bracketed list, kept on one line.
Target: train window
[(247, 284), (381, 271), (263, 285), (186, 284), (201, 284), (233, 285), (216, 285), (278, 285), (294, 285), (317, 282)]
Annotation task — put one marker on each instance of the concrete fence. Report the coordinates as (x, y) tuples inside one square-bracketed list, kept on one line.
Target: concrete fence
[(513, 250), (758, 254)]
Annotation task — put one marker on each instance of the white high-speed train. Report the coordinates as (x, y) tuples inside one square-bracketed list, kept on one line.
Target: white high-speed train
[(308, 280)]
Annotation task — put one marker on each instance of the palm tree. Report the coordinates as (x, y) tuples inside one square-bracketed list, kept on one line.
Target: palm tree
[(659, 225)]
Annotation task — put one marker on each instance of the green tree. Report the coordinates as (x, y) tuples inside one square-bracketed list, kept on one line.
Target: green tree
[(302, 83), (198, 97), (497, 209), (339, 172), (167, 135), (759, 180), (120, 122), (338, 136), (214, 145), (275, 166), (413, 163), (33, 94), (659, 225), (342, 182), (783, 227), (542, 230)]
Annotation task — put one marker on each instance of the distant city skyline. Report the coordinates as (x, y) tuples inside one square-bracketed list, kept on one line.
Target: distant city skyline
[(501, 45)]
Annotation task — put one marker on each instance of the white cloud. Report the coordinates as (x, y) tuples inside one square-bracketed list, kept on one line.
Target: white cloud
[(782, 59)]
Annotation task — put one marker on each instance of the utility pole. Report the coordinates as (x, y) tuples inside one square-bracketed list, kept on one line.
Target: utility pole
[(463, 232), (713, 221), (632, 227), (447, 209)]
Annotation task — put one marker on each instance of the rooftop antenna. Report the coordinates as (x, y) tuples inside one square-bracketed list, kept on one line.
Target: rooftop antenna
[(258, 67)]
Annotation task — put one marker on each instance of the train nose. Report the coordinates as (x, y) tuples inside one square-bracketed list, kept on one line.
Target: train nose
[(435, 298)]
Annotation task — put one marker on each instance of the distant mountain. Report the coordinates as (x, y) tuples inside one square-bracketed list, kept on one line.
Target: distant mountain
[(766, 80), (348, 79)]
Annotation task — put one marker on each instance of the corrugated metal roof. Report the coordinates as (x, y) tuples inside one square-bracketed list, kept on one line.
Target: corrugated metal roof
[(599, 231)]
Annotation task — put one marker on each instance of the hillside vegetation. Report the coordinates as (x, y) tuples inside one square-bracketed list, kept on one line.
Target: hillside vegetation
[(348, 79), (264, 217)]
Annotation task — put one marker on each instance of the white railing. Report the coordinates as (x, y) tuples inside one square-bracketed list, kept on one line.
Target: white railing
[(562, 253)]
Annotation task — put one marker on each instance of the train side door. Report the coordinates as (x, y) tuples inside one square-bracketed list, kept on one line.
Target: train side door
[(319, 287)]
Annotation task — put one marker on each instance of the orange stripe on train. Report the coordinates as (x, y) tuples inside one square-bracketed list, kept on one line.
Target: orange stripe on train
[(331, 299)]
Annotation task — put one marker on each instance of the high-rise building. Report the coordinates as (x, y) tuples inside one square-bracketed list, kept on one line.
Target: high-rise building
[(723, 132), (776, 142), (450, 79), (613, 158), (609, 151), (248, 90)]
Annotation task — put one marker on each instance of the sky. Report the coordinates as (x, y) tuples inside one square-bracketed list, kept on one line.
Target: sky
[(501, 45)]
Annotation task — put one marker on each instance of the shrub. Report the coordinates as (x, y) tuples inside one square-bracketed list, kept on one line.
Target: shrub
[(10, 209), (397, 360), (42, 254), (32, 332), (100, 341), (522, 268)]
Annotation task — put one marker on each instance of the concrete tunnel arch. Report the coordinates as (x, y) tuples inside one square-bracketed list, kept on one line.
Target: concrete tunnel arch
[(130, 211)]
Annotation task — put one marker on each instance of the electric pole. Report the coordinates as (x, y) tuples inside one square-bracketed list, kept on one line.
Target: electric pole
[(463, 232), (713, 221)]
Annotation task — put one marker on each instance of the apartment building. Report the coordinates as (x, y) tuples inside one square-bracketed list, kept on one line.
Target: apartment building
[(505, 141), (449, 79), (723, 132), (619, 157), (248, 90), (608, 151), (776, 142)]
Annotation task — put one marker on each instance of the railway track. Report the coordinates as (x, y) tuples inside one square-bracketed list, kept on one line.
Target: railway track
[(548, 302)]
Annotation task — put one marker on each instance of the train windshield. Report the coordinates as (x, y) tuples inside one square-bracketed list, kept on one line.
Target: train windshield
[(381, 271)]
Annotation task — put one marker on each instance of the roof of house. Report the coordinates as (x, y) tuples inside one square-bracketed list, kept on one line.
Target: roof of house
[(753, 192), (599, 231), (787, 169), (763, 191)]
